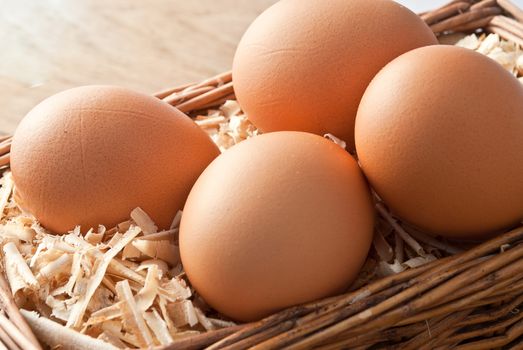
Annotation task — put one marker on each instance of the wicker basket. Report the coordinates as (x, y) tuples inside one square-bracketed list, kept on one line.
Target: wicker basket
[(464, 301)]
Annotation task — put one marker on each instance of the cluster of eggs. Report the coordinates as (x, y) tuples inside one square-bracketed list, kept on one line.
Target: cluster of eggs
[(287, 217)]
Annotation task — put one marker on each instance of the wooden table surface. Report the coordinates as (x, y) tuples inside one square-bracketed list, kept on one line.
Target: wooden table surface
[(52, 45)]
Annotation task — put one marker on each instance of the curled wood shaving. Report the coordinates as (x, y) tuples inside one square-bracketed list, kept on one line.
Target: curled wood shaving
[(95, 237), (176, 221), (6, 190), (58, 266), (158, 326), (143, 221), (18, 272), (162, 250), (160, 265), (112, 338), (382, 247), (146, 295), (182, 313), (204, 320), (132, 317), (15, 230), (131, 252), (336, 140)]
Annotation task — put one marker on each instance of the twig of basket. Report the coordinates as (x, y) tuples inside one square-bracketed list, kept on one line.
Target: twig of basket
[(419, 303), (209, 92), (445, 12), (217, 80), (507, 28), (166, 93), (444, 326), (497, 341), (16, 335), (467, 15), (464, 18), (496, 327), (16, 326), (500, 311), (267, 325), (508, 24), (5, 145), (391, 335), (206, 98), (6, 341), (464, 301), (511, 8), (5, 148)]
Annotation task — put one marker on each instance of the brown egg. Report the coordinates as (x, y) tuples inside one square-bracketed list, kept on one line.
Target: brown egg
[(278, 220), (90, 155), (305, 65), (439, 136)]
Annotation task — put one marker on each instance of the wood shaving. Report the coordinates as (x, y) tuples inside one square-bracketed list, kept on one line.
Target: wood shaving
[(336, 140), (124, 287), (162, 250), (227, 125), (6, 190), (18, 273), (132, 317), (182, 313), (144, 221), (158, 326), (383, 248), (505, 52)]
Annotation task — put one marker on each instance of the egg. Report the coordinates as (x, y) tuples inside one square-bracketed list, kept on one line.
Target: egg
[(304, 65), (439, 137), (277, 220), (90, 155)]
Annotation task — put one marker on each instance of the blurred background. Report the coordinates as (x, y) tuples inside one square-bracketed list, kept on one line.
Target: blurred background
[(52, 45)]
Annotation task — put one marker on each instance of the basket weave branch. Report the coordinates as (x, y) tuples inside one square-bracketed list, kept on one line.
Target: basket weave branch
[(465, 301)]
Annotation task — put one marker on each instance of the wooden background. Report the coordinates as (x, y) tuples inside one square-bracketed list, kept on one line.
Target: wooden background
[(51, 45)]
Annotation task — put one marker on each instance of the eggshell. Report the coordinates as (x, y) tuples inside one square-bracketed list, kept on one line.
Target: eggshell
[(304, 65), (90, 155), (280, 219), (439, 136)]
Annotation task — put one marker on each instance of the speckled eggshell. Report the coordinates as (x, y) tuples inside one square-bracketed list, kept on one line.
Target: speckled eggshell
[(439, 136), (304, 65), (278, 220), (90, 155)]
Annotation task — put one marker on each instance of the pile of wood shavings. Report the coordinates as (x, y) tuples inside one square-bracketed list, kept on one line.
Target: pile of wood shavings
[(506, 53), (227, 125), (126, 287)]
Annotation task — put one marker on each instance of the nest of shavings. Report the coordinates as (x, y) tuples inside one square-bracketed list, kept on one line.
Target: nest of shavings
[(124, 287)]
